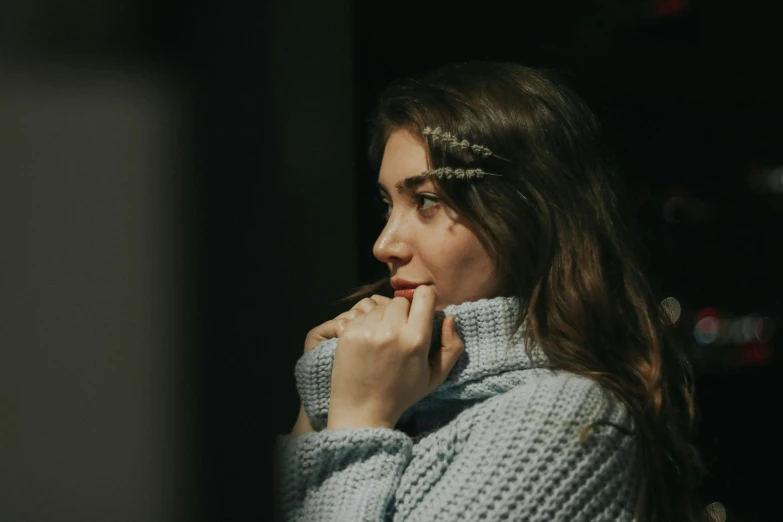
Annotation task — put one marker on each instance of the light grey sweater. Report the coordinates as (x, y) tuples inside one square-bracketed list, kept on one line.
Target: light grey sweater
[(499, 440)]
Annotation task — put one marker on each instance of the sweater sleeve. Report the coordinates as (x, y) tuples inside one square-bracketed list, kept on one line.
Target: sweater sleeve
[(340, 475), (527, 458)]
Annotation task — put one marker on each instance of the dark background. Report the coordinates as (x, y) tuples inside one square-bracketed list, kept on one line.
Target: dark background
[(185, 194)]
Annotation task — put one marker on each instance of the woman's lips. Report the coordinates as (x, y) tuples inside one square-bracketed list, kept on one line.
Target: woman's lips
[(407, 293)]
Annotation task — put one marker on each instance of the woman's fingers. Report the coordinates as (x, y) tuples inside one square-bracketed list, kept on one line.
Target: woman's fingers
[(396, 312), (422, 310), (322, 332), (334, 327), (362, 308), (368, 303), (446, 356), (350, 315), (381, 365), (381, 299)]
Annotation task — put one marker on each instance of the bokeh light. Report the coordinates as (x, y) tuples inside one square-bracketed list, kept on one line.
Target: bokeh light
[(749, 327), (735, 331), (706, 330), (765, 329), (755, 353), (775, 180), (706, 312), (672, 308)]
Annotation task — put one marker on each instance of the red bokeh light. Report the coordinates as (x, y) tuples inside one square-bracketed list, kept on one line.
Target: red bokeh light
[(755, 353), (706, 312), (670, 7)]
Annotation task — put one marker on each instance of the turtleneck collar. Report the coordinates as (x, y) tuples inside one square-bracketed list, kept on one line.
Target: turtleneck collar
[(493, 361)]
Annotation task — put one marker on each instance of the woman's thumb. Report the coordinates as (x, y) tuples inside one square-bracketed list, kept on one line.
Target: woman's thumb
[(450, 350)]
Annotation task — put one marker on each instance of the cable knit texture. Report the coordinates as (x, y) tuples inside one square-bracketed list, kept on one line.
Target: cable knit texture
[(501, 439)]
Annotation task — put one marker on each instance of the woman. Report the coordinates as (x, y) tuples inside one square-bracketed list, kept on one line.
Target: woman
[(550, 390)]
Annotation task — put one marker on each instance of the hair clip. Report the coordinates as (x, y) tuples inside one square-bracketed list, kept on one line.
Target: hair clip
[(437, 135), (448, 173)]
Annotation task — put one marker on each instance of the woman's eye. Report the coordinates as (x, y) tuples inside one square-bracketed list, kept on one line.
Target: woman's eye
[(427, 202), (383, 206), (424, 203), (386, 209)]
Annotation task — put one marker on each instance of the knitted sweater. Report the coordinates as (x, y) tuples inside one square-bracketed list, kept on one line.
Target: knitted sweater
[(498, 440)]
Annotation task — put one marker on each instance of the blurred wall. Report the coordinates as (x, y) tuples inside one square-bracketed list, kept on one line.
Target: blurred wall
[(91, 337), (177, 210)]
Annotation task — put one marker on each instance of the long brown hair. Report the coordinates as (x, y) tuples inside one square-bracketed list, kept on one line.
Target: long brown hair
[(562, 236)]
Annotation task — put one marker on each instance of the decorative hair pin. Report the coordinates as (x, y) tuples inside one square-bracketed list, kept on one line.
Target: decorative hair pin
[(454, 143), (448, 173)]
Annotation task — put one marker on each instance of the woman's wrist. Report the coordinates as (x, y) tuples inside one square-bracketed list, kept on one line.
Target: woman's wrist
[(348, 423), (303, 424)]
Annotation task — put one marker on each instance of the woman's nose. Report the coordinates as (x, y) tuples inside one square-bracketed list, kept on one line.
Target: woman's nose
[(391, 247)]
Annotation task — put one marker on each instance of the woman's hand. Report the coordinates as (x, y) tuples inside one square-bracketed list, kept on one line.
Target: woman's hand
[(381, 364), (334, 327), (329, 330)]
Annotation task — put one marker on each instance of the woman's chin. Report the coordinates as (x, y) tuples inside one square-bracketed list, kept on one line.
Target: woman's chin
[(442, 302)]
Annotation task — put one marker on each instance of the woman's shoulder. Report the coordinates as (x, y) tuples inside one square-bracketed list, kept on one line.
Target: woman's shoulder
[(561, 398)]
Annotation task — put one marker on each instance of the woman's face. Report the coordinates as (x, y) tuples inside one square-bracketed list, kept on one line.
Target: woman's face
[(424, 241)]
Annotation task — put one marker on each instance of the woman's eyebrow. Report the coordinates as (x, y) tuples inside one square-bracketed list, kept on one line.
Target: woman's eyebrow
[(405, 185)]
